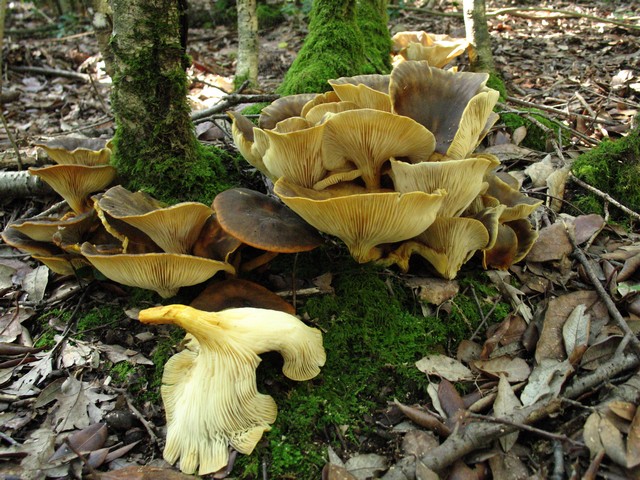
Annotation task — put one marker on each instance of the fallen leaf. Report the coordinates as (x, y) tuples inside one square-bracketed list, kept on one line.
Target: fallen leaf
[(468, 351), (612, 441), (506, 402), (418, 443), (546, 380), (575, 333), (77, 405), (424, 419), (591, 434), (27, 384), (366, 465), (49, 393), (433, 290), (600, 352), (552, 244), (633, 442), (445, 367), (11, 322), (451, 401), (35, 283), (40, 446), (586, 225), (551, 343), (425, 473), (86, 440), (511, 369), (336, 472), (624, 410)]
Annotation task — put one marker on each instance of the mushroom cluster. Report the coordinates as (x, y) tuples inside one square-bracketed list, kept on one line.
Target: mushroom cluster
[(209, 389), (437, 49), (82, 167), (387, 164)]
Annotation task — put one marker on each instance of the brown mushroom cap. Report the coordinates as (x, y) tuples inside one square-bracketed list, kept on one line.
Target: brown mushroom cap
[(70, 150), (18, 240), (285, 107), (63, 264), (74, 183), (518, 205), (237, 293), (362, 95), (434, 98), (262, 222), (213, 242), (164, 273), (363, 220)]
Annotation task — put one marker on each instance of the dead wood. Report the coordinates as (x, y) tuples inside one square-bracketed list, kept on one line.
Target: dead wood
[(21, 184), (479, 435)]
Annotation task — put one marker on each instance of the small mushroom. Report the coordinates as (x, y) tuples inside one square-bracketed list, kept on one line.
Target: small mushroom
[(294, 155), (363, 219), (209, 389), (264, 223), (447, 244), (174, 229), (74, 183), (164, 273), (71, 150), (438, 99), (284, 107), (366, 91)]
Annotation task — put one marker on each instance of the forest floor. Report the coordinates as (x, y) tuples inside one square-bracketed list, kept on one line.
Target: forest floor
[(418, 368)]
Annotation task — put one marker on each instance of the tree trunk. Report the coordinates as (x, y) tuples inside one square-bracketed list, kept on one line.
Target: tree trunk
[(477, 32), (372, 21), (247, 66), (102, 25), (334, 47), (155, 145)]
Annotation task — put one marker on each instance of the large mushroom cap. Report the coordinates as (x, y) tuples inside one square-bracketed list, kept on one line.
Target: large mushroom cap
[(366, 91), (209, 389), (74, 183), (262, 222), (435, 98), (462, 179), (70, 150), (14, 238), (164, 273), (366, 139), (285, 107), (363, 220)]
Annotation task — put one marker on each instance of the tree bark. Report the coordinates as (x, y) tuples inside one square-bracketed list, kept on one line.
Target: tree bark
[(155, 145), (22, 184), (247, 66), (477, 32)]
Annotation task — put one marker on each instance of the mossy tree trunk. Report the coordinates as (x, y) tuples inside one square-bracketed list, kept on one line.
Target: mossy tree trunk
[(477, 33), (346, 37), (247, 66), (155, 145)]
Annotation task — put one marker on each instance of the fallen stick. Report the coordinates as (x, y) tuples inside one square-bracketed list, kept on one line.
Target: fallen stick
[(21, 184), (605, 196), (479, 435)]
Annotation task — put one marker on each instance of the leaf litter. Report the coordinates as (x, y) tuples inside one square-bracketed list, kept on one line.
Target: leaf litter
[(521, 387)]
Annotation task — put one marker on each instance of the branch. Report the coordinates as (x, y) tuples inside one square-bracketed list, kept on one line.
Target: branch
[(479, 435), (605, 196), (231, 100), (52, 72), (515, 12)]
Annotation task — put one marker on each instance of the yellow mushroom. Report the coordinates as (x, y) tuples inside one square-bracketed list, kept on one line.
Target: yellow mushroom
[(209, 389)]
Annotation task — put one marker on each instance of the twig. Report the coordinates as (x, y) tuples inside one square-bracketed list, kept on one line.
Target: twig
[(9, 440), (519, 426), (611, 307), (515, 11), (53, 72), (547, 108), (231, 100), (139, 416), (604, 196), (478, 435)]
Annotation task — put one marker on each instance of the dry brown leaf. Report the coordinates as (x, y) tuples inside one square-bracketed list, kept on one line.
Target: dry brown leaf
[(495, 337), (633, 441), (86, 440), (591, 434), (445, 367), (551, 343), (552, 244), (600, 352), (612, 441), (512, 369), (630, 267), (451, 401), (425, 473), (587, 225), (624, 410), (433, 290), (468, 351), (575, 333), (546, 380), (365, 465), (424, 419), (506, 402)]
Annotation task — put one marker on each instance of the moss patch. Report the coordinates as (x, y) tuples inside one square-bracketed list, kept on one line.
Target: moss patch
[(373, 334), (614, 168), (536, 138)]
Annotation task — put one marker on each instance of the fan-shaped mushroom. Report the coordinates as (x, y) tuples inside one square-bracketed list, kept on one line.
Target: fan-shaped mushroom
[(363, 220), (209, 389), (71, 150)]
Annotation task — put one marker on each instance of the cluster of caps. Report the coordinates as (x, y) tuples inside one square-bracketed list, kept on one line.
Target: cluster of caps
[(136, 240), (386, 163)]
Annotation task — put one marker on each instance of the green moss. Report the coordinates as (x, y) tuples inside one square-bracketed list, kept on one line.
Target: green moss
[(372, 21), (614, 168), (269, 16), (122, 371), (373, 334), (495, 81), (536, 138), (333, 48), (254, 109), (96, 318)]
